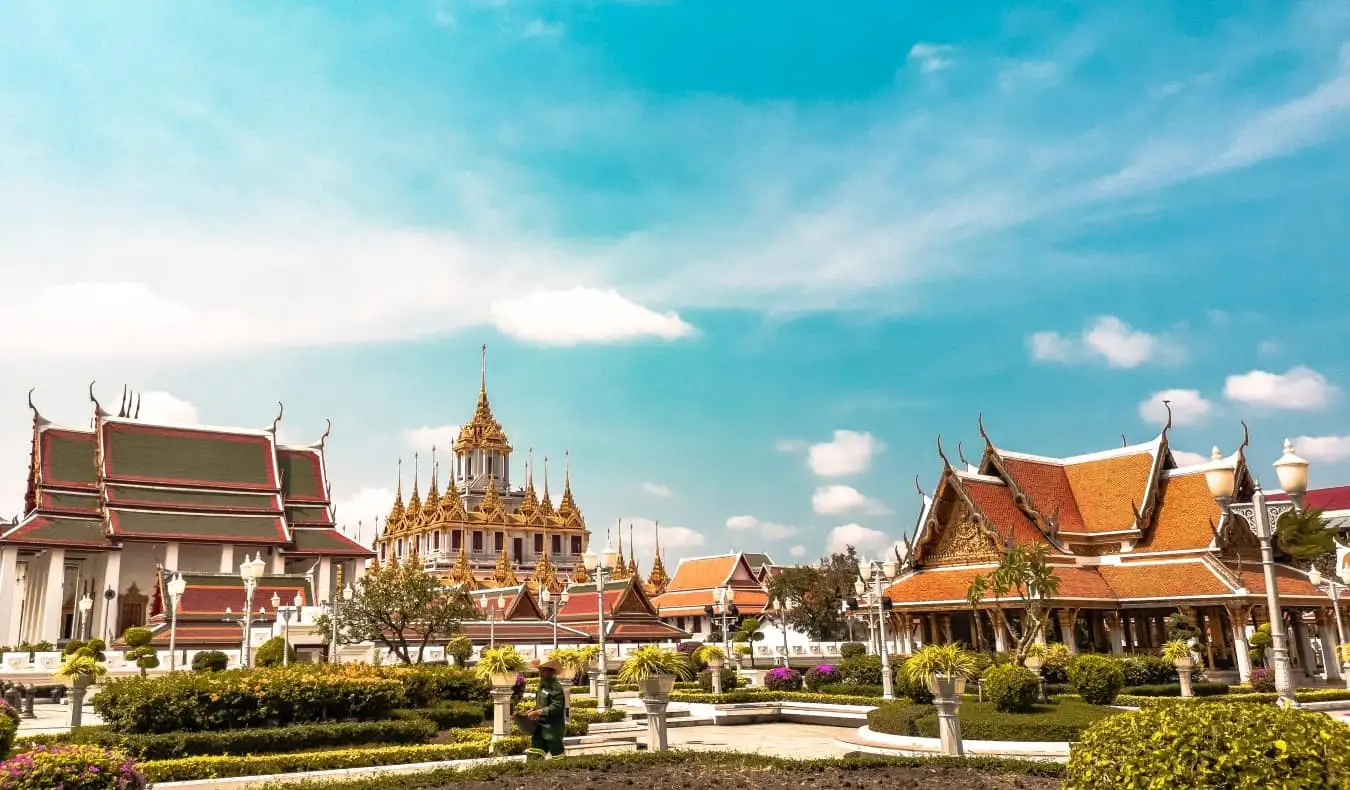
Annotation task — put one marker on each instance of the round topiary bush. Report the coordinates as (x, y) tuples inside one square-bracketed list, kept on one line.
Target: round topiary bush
[(729, 680), (269, 653), (1211, 745), (783, 679), (71, 767), (210, 661), (1011, 689), (459, 650), (852, 650), (1097, 679), (1263, 680), (822, 675)]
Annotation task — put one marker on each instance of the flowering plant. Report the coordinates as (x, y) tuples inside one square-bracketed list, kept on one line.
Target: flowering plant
[(70, 768), (783, 679), (821, 675), (9, 727)]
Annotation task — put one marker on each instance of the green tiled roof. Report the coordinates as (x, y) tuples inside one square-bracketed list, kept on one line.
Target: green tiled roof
[(68, 457), (62, 500), (302, 515), (325, 541), (132, 523), (195, 500), (301, 474), (177, 455), (58, 531)]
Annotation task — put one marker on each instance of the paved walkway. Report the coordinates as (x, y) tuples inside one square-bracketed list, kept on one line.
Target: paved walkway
[(803, 741), (51, 718)]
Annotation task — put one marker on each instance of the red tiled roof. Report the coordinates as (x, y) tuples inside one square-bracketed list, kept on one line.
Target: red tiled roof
[(1047, 485), (197, 635), (673, 604), (949, 585), (995, 499), (1108, 489), (1291, 582), (1185, 516), (703, 572), (536, 631), (1334, 498), (211, 594)]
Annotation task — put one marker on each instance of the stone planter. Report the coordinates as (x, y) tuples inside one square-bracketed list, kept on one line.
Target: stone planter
[(504, 680), (1184, 667), (657, 687), (947, 686), (716, 663), (947, 691)]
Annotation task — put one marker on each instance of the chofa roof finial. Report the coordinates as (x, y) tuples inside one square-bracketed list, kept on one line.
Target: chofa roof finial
[(1167, 404), (98, 408), (281, 410), (919, 488), (1246, 440), (961, 453), (979, 420), (942, 454)]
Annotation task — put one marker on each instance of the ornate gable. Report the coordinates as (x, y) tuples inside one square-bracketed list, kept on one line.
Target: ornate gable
[(957, 532)]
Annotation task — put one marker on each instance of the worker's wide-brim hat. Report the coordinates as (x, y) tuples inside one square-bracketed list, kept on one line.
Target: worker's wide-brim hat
[(550, 664)]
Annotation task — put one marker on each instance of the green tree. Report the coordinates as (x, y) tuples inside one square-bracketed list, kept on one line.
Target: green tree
[(1306, 536), (140, 652), (269, 653), (1024, 574), (402, 607), (748, 633), (817, 593)]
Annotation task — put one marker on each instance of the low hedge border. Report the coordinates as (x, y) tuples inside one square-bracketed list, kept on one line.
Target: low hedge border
[(1310, 695), (234, 743), (450, 715), (800, 769), (737, 697), (1174, 690), (220, 767), (1060, 721)]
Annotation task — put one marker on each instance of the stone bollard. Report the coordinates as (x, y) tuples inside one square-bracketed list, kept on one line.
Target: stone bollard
[(716, 668), (601, 692), (947, 698), (77, 689), (1184, 675), (30, 694), (501, 710)]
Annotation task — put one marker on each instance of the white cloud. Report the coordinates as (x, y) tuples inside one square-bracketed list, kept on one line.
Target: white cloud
[(836, 499), (363, 507), (868, 542), (1300, 389), (584, 315), (1189, 407), (1109, 339), (1327, 449), (539, 28), (657, 489), (428, 436), (164, 408), (790, 445), (1185, 458), (769, 530), (797, 552), (848, 453), (931, 57)]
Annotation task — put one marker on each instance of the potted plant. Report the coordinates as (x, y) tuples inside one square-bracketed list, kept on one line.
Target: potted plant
[(78, 671), (1344, 651), (1178, 654), (943, 668), (499, 666), (655, 671), (711, 655), (1035, 657)]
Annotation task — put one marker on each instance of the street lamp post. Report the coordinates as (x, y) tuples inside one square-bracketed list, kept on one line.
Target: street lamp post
[(725, 597), (879, 576), (347, 594), (285, 612), (600, 566), (108, 596), (177, 586), (1334, 592), (86, 606), (781, 609), (553, 607), (249, 571), (1262, 515), (492, 616)]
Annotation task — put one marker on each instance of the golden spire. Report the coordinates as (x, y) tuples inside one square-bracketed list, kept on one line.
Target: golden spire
[(462, 574), (491, 507), (394, 522), (544, 576), (632, 555), (579, 574), (482, 432), (620, 567), (433, 502), (568, 512), (414, 514), (546, 504), (658, 580), (504, 575), (529, 504), (451, 507)]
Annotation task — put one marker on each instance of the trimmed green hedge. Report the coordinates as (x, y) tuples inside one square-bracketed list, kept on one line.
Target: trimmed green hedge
[(450, 715), (1213, 745), (1061, 721), (268, 740), (191, 768), (736, 697), (1307, 695)]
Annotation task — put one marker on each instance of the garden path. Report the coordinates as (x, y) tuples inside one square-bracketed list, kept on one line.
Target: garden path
[(801, 741)]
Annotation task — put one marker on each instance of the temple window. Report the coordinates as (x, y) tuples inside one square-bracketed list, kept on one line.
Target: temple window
[(436, 540), (489, 464), (398, 548), (469, 470), (576, 544), (498, 540), (538, 543), (557, 544), (455, 540), (478, 542)]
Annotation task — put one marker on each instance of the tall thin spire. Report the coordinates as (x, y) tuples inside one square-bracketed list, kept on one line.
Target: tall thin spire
[(482, 373)]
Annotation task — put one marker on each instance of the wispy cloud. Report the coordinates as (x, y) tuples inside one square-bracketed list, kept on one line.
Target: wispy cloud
[(1107, 339), (931, 57)]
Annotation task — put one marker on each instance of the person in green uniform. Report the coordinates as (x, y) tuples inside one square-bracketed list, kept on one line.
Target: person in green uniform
[(549, 703)]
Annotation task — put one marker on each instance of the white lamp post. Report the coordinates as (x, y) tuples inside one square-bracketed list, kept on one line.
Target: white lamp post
[(1334, 592), (249, 571), (1221, 477), (347, 594), (177, 586), (600, 566), (86, 605), (285, 612), (880, 576), (725, 598), (553, 608)]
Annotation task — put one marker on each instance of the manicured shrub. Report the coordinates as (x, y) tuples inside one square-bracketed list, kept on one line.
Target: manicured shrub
[(1011, 689), (9, 727), (210, 661), (783, 679), (1064, 720), (139, 651), (451, 715), (821, 675), (729, 680), (211, 767), (1212, 745), (427, 685), (299, 694), (70, 768), (861, 670), (270, 653), (1174, 690), (852, 650), (912, 688), (850, 690), (1147, 671), (897, 718), (1263, 680), (1097, 679), (1056, 666)]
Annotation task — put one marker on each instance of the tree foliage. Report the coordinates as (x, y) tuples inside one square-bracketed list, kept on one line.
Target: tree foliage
[(1305, 535), (1025, 581), (402, 607), (817, 592)]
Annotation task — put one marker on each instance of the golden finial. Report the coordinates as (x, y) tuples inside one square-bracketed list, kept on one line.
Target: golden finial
[(621, 566), (632, 553), (394, 522), (546, 504), (579, 574), (504, 575), (529, 503), (413, 516), (433, 493), (482, 431), (462, 574), (491, 505), (659, 579), (568, 512)]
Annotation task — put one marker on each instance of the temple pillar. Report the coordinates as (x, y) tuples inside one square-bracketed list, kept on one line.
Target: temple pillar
[(1239, 615), (1115, 632), (946, 621), (1326, 633), (1155, 635), (103, 620), (324, 591), (1040, 632), (34, 583), (50, 617), (1068, 622), (10, 600), (1301, 644), (1000, 635), (227, 558), (278, 562)]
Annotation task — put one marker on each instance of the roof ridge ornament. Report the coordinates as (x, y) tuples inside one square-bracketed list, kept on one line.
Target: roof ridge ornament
[(961, 453), (979, 420), (942, 454), (919, 488), (98, 408), (281, 410)]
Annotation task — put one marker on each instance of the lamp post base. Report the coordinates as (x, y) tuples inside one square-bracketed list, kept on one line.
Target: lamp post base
[(949, 726), (602, 691), (501, 708)]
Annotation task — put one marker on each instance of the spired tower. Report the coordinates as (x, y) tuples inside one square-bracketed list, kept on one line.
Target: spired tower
[(481, 531)]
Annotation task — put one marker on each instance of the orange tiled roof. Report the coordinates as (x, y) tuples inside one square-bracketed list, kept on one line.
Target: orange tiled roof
[(1183, 521), (1291, 582), (703, 572), (1163, 580), (995, 499), (1105, 488), (685, 602), (1048, 487)]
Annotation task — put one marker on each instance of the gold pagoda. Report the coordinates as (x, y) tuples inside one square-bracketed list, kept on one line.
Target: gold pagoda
[(481, 531)]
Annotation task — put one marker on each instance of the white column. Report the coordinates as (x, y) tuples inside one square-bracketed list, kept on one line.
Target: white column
[(325, 581), (1326, 634), (278, 562), (1000, 635), (358, 571), (171, 556), (1238, 616), (1068, 632), (51, 599), (227, 558), (10, 599), (34, 583), (105, 611)]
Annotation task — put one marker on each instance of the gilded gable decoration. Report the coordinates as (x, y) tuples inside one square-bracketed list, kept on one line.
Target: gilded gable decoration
[(504, 575), (490, 508)]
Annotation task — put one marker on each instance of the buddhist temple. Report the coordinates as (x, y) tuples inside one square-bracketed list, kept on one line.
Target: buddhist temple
[(482, 530), (1133, 538), (112, 508), (694, 588)]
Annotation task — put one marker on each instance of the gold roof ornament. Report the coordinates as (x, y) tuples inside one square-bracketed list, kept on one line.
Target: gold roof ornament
[(658, 580), (579, 574), (504, 575), (632, 555), (413, 517), (431, 508), (620, 566), (545, 577), (568, 512), (529, 503), (482, 432), (394, 522), (546, 504), (451, 507), (491, 508), (462, 575)]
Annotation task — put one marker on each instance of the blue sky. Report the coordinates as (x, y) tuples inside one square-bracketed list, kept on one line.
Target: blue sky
[(745, 260)]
